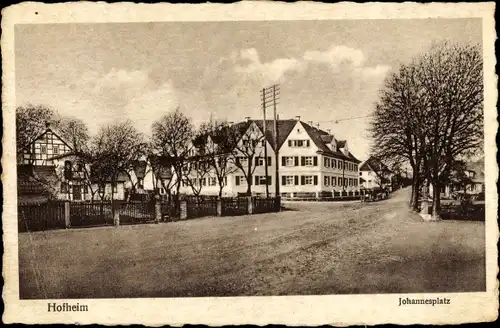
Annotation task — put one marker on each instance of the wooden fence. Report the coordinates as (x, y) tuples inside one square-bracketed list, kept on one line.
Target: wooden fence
[(37, 217), (61, 214)]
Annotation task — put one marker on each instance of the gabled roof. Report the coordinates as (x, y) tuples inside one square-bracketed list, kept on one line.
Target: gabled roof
[(374, 164), (44, 133), (341, 143), (478, 168), (318, 136)]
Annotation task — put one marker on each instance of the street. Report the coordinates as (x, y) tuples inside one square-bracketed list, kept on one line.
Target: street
[(311, 248)]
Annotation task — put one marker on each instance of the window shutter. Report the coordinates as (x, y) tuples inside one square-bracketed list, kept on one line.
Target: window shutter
[(283, 161), (296, 178), (315, 180), (307, 143), (256, 180), (302, 161), (296, 161), (237, 180), (289, 143), (283, 180), (269, 181), (302, 180), (315, 159), (269, 161)]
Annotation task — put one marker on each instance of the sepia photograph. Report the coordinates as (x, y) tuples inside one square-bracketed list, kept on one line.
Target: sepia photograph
[(250, 158)]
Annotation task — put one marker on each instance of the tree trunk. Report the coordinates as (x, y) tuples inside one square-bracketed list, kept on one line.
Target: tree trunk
[(415, 190), (436, 202)]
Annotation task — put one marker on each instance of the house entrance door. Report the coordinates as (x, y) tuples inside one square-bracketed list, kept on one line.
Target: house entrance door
[(77, 192)]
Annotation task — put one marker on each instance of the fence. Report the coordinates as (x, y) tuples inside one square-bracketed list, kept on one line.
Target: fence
[(88, 214), (61, 214), (234, 206), (265, 205), (199, 207), (39, 217)]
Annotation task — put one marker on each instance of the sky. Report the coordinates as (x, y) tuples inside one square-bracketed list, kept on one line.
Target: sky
[(327, 70)]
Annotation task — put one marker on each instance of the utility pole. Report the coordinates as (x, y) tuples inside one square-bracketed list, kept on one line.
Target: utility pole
[(270, 95), (276, 150), (265, 139)]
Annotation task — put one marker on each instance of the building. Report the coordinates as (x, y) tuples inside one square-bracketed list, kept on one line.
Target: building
[(311, 162), (374, 174), (48, 168), (467, 178)]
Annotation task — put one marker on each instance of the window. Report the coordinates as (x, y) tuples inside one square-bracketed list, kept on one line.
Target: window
[(85, 189), (56, 150), (140, 183), (289, 180), (240, 180), (345, 182), (289, 161), (369, 172), (308, 161), (101, 188), (340, 181), (333, 163), (360, 173), (261, 180), (298, 143), (327, 162), (334, 181), (114, 187), (203, 182), (213, 181), (64, 187), (260, 161), (225, 181), (43, 149), (308, 180), (327, 180)]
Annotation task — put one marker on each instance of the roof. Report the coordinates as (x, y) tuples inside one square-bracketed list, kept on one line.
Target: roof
[(478, 168), (374, 164), (41, 135), (36, 180), (318, 136), (341, 143)]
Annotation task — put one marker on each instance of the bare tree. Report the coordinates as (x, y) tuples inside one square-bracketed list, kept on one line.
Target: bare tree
[(219, 150), (453, 78), (31, 121), (397, 126), (431, 113), (172, 138), (247, 139), (74, 131), (113, 151)]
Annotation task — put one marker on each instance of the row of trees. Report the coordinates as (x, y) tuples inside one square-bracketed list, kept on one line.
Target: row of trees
[(430, 115), (175, 146)]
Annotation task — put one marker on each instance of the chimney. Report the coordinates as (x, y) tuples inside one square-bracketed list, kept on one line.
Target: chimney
[(310, 123), (247, 118), (317, 125), (297, 118), (47, 125), (329, 131)]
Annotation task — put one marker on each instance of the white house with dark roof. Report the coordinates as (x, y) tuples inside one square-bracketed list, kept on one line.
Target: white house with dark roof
[(311, 162)]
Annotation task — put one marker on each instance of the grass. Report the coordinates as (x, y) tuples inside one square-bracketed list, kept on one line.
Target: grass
[(314, 248)]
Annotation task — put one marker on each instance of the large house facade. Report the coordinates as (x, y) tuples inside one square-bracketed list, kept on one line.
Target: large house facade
[(311, 162)]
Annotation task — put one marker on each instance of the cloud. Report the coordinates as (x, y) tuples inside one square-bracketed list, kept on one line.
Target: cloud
[(248, 63), (336, 55)]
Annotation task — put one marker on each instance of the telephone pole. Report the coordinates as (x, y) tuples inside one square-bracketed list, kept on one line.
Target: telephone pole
[(265, 139), (270, 96)]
